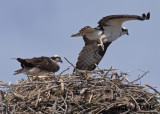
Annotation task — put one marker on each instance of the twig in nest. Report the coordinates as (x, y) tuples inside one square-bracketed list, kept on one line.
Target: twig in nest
[(83, 91), (34, 91), (105, 75), (62, 84), (148, 112), (119, 90), (19, 96), (66, 106), (138, 107), (69, 62), (39, 92), (152, 88), (54, 107), (95, 71), (42, 92), (31, 109), (1, 96), (64, 70), (90, 98), (140, 77)]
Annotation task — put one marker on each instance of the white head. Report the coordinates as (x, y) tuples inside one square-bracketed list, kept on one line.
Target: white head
[(56, 58), (124, 31)]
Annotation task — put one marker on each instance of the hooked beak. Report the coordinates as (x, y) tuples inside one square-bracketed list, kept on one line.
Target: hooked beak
[(61, 61), (127, 33)]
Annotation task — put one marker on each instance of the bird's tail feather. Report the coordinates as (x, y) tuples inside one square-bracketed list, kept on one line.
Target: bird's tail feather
[(13, 58), (19, 71), (76, 35)]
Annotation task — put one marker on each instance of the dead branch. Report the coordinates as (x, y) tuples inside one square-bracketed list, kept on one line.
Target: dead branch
[(140, 76), (152, 88)]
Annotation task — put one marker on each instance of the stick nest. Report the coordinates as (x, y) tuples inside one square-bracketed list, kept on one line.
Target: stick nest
[(100, 91)]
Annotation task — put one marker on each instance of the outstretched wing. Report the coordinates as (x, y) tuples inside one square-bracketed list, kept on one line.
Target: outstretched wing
[(84, 31), (43, 63), (90, 55), (119, 19)]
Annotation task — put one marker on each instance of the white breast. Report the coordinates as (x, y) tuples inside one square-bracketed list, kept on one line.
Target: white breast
[(34, 71), (37, 71), (112, 33), (95, 35)]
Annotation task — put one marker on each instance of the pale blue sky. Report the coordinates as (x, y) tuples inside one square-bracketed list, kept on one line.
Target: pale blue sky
[(33, 28)]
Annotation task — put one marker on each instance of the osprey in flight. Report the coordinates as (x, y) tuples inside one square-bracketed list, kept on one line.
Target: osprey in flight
[(98, 39), (39, 65)]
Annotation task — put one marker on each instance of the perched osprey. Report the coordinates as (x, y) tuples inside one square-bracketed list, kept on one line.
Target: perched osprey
[(39, 65), (98, 39)]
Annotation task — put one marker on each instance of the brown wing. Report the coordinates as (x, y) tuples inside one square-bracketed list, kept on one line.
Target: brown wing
[(91, 55), (84, 31), (119, 19), (43, 63)]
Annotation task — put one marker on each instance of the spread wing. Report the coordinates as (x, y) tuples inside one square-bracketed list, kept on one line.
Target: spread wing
[(43, 63), (90, 55), (119, 19), (84, 31)]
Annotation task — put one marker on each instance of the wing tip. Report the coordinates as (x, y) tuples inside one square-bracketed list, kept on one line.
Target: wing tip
[(146, 17), (72, 35)]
